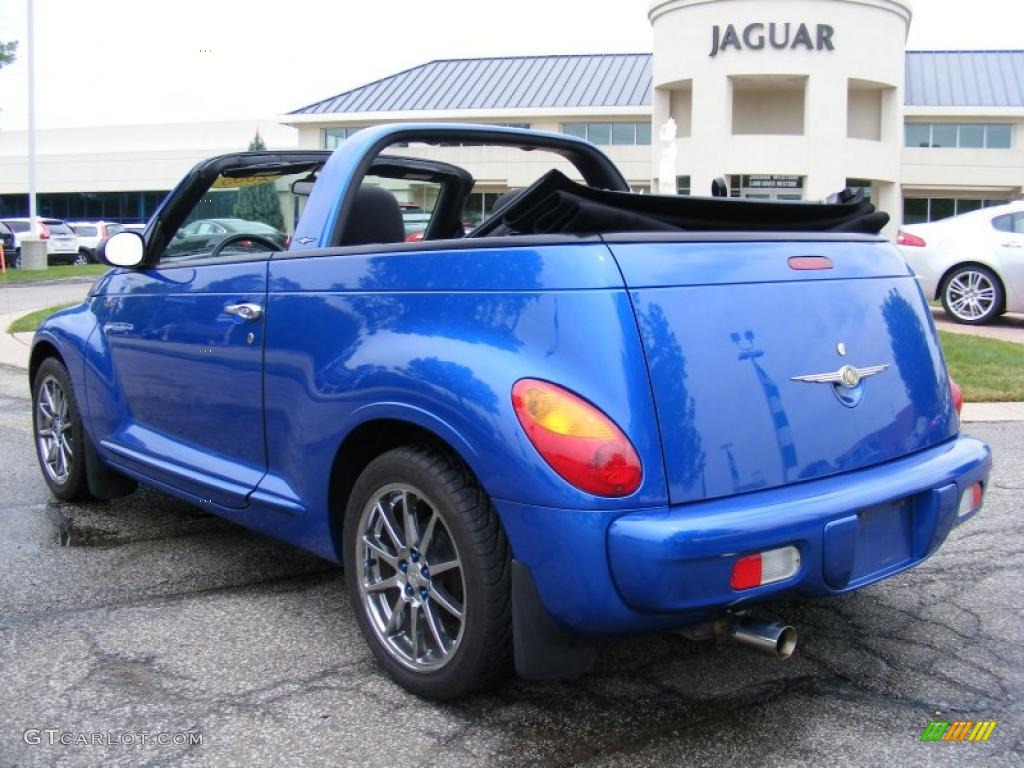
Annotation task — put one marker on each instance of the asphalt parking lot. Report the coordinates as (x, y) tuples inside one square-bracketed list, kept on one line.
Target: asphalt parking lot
[(147, 616)]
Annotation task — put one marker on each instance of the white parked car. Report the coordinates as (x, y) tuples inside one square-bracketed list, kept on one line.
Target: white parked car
[(61, 240), (92, 233), (973, 262)]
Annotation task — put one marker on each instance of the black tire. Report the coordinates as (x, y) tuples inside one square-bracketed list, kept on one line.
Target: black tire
[(482, 657), (952, 290), (72, 485)]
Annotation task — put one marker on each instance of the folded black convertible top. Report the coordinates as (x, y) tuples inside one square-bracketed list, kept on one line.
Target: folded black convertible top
[(556, 204)]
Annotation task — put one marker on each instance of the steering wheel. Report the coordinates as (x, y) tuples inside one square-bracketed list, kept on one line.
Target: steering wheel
[(233, 238)]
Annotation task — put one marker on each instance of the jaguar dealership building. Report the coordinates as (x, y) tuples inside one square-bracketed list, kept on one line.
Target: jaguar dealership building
[(794, 99)]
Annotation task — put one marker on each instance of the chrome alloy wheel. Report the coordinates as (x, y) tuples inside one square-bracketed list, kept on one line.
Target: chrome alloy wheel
[(970, 295), (53, 430), (410, 581)]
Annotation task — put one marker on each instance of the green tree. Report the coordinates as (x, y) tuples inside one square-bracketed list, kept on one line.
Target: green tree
[(259, 202), (7, 52)]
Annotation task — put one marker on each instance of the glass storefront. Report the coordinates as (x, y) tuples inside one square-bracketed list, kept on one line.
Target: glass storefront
[(124, 207)]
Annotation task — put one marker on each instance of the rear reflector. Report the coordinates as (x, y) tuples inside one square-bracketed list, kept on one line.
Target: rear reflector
[(905, 238), (970, 501), (577, 440), (765, 568), (810, 262)]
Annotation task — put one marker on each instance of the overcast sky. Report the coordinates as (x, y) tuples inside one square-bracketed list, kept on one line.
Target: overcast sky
[(105, 62)]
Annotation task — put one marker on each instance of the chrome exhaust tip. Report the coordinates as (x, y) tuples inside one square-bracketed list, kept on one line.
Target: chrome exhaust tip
[(771, 637)]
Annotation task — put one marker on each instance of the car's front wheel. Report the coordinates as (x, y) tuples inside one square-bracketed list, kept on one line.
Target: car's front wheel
[(57, 424), (427, 570), (973, 295)]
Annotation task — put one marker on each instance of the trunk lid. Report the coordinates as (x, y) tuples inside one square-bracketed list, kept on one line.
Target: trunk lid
[(727, 325)]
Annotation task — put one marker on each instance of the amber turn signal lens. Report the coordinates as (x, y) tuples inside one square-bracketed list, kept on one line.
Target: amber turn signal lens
[(576, 439)]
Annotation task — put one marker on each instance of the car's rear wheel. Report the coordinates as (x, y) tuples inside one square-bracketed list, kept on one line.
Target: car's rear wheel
[(972, 295), (57, 425), (427, 571)]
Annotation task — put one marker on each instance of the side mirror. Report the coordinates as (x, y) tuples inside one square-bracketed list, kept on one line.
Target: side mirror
[(124, 249)]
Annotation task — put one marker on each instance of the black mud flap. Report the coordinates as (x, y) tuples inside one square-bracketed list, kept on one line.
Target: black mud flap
[(542, 650), (104, 483)]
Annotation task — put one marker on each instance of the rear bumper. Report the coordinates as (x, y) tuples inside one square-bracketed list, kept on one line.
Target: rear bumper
[(611, 573)]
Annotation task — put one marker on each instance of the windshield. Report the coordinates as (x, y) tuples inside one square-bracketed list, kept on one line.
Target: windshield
[(239, 214)]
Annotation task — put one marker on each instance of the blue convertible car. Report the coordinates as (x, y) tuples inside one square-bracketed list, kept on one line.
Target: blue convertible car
[(597, 413)]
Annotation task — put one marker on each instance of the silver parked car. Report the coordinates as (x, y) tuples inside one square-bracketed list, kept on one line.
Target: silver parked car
[(61, 240)]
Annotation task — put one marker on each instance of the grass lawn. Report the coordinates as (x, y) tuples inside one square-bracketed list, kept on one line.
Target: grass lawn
[(31, 321), (986, 369), (53, 273)]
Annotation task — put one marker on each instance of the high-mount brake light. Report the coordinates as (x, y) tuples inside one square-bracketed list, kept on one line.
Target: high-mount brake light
[(576, 439), (905, 238)]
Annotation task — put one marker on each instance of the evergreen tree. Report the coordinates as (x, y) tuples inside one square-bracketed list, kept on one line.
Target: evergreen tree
[(7, 51), (259, 202)]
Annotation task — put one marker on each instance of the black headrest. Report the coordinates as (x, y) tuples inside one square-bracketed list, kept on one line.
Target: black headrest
[(375, 217)]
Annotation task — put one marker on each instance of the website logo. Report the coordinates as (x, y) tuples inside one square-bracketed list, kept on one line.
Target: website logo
[(961, 730)]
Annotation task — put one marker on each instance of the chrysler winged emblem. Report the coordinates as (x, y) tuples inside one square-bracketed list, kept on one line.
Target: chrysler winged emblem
[(847, 376)]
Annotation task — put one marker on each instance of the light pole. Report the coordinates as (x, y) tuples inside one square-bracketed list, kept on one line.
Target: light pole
[(31, 121)]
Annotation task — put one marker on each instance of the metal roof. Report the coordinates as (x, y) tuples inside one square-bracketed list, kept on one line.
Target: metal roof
[(934, 79), (599, 80), (965, 79)]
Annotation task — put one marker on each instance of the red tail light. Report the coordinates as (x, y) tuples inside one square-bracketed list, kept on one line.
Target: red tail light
[(287, 242), (415, 237), (580, 443), (103, 231), (958, 395), (44, 231), (905, 238)]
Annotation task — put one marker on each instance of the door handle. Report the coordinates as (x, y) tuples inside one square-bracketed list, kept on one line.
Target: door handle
[(245, 311), (1012, 244)]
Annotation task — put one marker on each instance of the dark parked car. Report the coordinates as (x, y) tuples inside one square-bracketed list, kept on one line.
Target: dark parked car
[(204, 235), (7, 241)]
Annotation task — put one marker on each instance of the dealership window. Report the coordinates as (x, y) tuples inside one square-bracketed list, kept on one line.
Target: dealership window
[(125, 207), (478, 206), (604, 134), (918, 210), (334, 136), (683, 185), (860, 185), (959, 135)]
